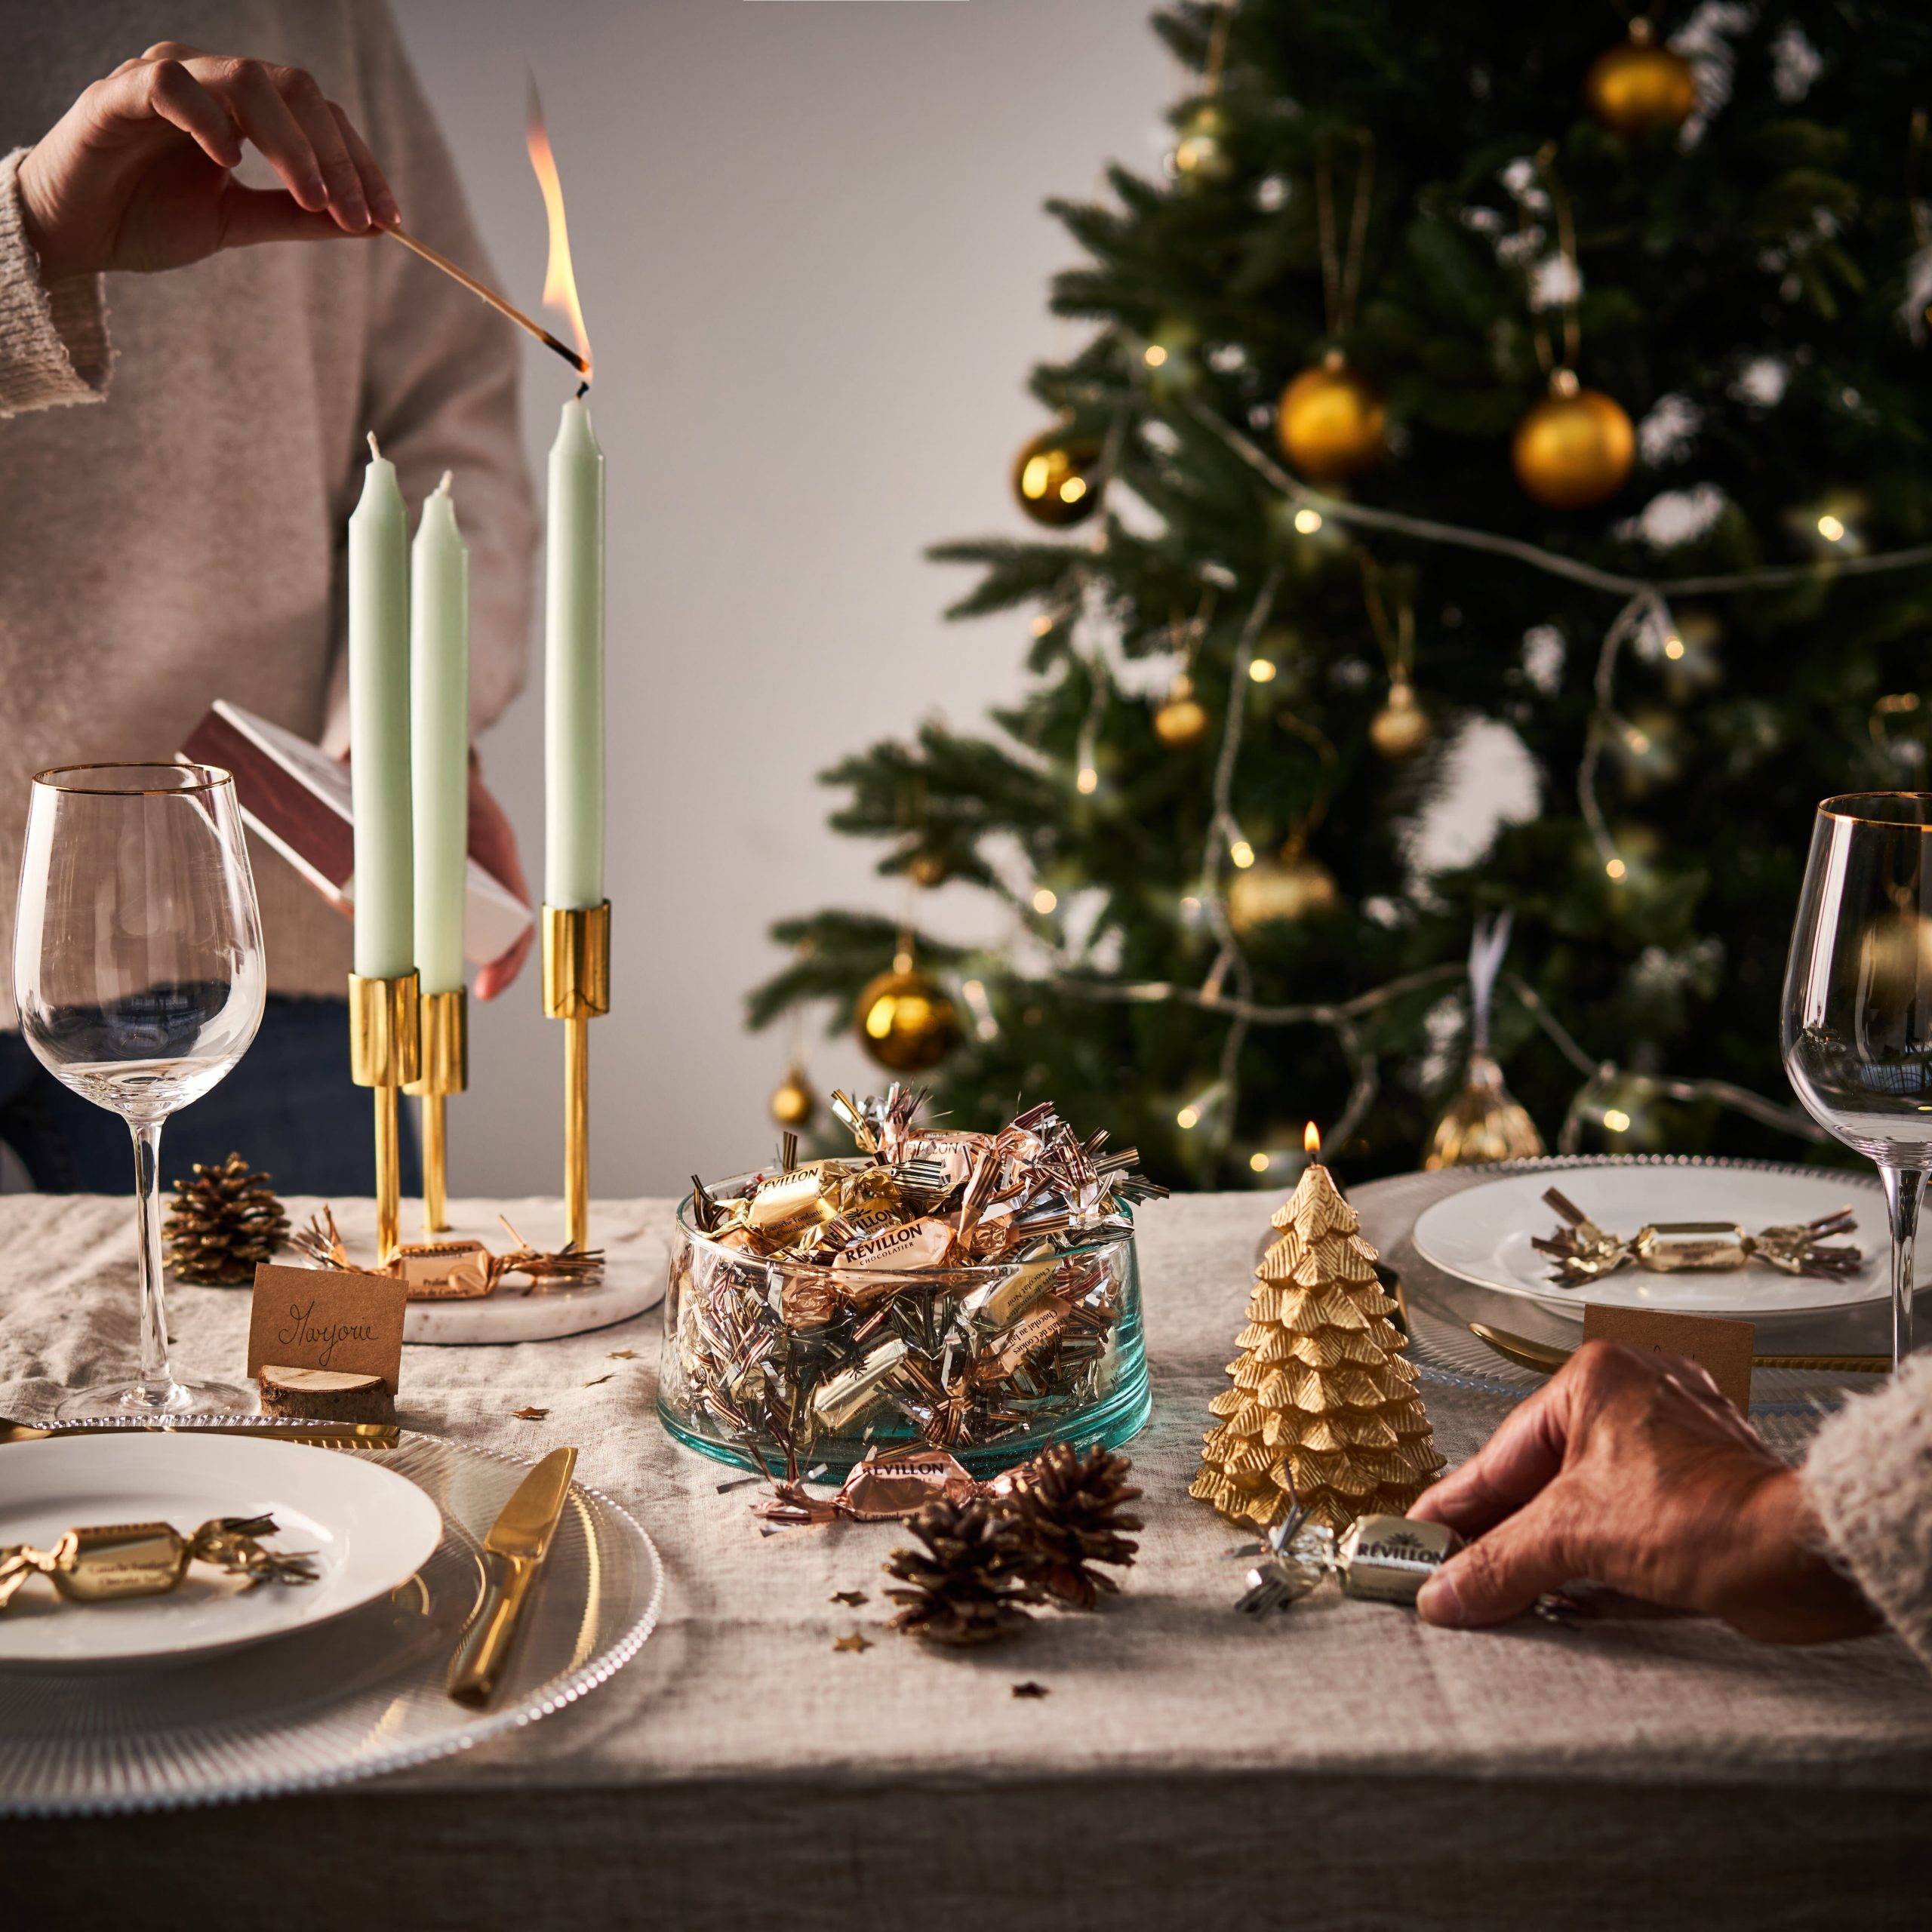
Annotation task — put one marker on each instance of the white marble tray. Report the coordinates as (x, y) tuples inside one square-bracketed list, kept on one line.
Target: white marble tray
[(637, 1263)]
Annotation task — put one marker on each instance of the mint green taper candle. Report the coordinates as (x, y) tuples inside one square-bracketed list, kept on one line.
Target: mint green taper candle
[(439, 716), (573, 668), (379, 723)]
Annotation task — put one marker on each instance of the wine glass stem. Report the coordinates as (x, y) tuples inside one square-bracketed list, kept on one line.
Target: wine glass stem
[(1905, 1188), (154, 1376)]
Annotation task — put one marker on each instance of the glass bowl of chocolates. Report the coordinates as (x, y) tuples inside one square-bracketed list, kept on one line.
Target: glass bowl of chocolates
[(975, 1292)]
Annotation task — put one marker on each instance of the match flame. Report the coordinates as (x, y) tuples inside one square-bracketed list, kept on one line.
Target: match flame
[(1311, 1138), (559, 278)]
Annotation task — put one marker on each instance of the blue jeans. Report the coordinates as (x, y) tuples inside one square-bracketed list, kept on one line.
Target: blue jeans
[(288, 1106)]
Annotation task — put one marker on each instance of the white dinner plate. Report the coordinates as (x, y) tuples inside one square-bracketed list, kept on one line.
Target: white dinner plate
[(368, 1529), (1483, 1235)]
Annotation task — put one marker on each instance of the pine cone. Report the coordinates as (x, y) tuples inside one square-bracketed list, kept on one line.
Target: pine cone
[(968, 1585), (1069, 1510), (223, 1221)]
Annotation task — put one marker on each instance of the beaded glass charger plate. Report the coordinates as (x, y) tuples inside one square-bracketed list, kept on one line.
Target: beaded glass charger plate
[(362, 1694), (365, 1531)]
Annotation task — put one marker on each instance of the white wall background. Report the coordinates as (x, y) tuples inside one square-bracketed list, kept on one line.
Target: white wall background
[(814, 266)]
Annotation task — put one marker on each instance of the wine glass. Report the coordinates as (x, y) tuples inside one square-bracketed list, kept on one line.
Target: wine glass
[(1858, 1002), (139, 975)]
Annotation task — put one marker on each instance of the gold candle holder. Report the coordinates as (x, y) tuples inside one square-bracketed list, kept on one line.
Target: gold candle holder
[(576, 986), (385, 1054), (443, 1025)]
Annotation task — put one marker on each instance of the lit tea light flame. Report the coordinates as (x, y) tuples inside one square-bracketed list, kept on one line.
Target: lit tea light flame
[(1311, 1139), (559, 278)]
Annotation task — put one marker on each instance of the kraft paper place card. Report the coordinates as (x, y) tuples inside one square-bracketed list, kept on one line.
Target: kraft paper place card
[(326, 1317), (1721, 1347)]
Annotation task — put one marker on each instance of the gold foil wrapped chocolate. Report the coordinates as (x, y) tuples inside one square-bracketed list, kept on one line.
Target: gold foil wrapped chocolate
[(1583, 1252), (109, 1562), (940, 1286)]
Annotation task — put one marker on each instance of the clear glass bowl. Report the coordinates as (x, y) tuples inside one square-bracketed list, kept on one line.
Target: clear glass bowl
[(764, 1365)]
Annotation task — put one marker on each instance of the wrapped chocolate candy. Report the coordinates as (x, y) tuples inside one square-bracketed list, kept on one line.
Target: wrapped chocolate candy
[(112, 1561), (1383, 1559), (953, 1288), (1584, 1252)]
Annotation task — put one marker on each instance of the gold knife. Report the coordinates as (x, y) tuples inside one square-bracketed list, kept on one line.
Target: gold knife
[(1546, 1357), (520, 1539), (316, 1435)]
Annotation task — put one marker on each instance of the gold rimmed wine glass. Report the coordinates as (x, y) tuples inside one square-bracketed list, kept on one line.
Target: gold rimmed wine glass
[(1857, 1019), (139, 975)]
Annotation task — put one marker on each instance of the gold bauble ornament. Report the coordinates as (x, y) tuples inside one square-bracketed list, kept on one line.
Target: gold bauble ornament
[(1331, 421), (1293, 887), (906, 1022), (1575, 448), (1056, 478), (793, 1102), (1400, 729), (928, 868), (1639, 86), (1182, 718), (1483, 1122), (1201, 153)]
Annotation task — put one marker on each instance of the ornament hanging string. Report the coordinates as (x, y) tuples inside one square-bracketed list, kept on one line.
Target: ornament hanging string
[(1341, 280), (1571, 278)]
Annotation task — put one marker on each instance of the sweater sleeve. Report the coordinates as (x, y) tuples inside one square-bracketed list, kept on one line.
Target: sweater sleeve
[(442, 389), (53, 346), (1869, 1478)]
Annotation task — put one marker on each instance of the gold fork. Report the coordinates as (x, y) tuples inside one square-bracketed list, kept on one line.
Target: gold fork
[(1546, 1357)]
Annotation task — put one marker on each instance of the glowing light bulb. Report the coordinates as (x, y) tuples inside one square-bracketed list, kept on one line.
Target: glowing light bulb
[(1072, 490), (1830, 528), (1616, 868), (1153, 356), (1188, 1117), (1044, 901), (1308, 522), (1041, 625), (1616, 1120), (1258, 1161), (1261, 670), (1242, 853), (1673, 646), (1089, 779), (1638, 741)]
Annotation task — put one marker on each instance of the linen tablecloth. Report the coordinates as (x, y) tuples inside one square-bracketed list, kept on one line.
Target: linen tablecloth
[(1342, 1764)]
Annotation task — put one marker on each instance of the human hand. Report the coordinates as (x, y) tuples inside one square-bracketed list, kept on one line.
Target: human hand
[(136, 174), (1632, 1470), (493, 845)]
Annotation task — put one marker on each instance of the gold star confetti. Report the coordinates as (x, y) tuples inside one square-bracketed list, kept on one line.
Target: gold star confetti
[(595, 1380), (855, 1642), (851, 1598), (530, 1414), (622, 1355), (1030, 1689)]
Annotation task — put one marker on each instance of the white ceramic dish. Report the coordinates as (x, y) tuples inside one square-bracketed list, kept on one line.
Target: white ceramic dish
[(369, 1530), (1483, 1235)]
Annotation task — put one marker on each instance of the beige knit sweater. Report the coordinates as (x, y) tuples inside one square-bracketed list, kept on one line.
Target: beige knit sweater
[(177, 536), (1869, 1475)]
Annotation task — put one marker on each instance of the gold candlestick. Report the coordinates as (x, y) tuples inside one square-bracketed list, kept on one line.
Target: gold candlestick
[(444, 1070), (384, 1053), (576, 985)]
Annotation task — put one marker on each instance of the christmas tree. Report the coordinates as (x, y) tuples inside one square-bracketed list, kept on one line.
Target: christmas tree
[(1486, 396), (1324, 1411)]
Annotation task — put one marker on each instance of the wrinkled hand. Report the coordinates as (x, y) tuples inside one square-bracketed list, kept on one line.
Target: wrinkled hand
[(136, 174), (493, 845), (1632, 1470)]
